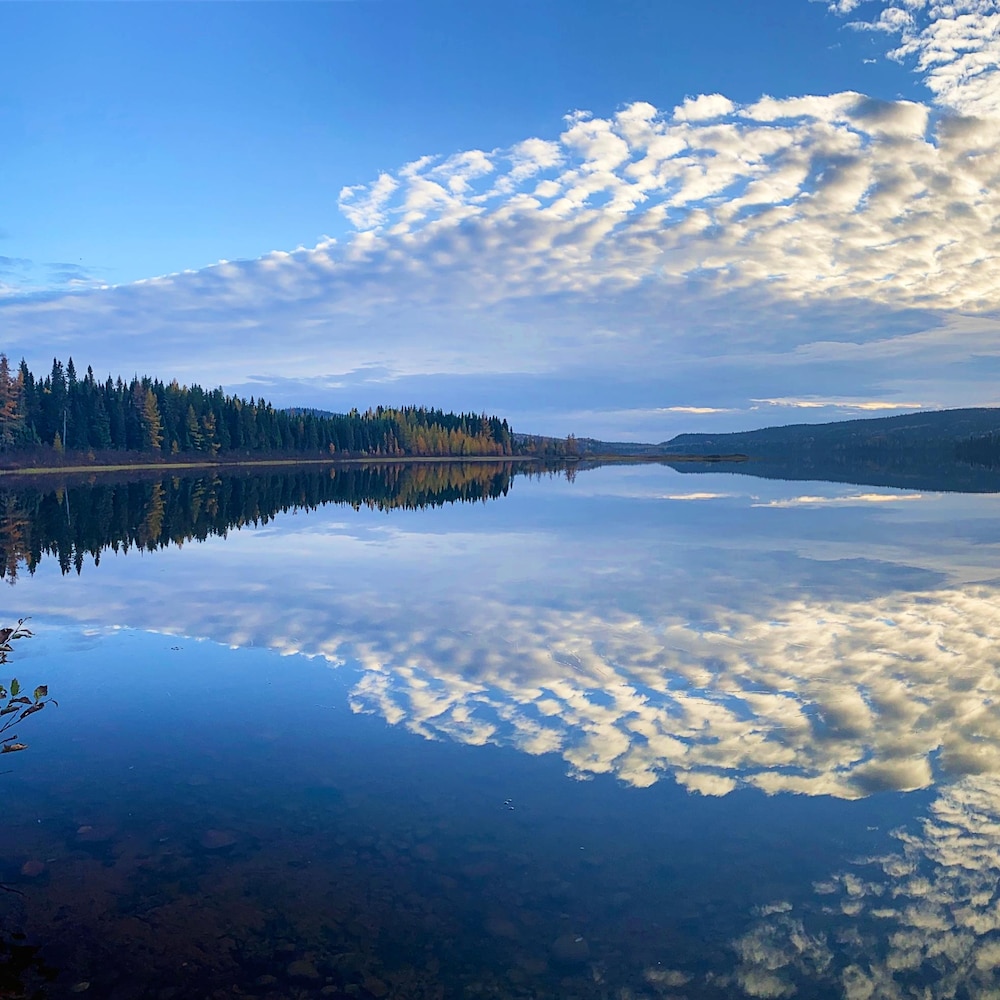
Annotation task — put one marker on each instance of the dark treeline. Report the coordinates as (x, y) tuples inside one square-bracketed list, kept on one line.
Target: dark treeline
[(983, 450), (67, 411), (78, 522)]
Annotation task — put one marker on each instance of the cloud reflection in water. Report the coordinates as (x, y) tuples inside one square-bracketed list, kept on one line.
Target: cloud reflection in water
[(920, 921), (837, 650)]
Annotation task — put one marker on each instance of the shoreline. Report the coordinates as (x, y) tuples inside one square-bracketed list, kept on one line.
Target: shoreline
[(56, 470), (166, 467)]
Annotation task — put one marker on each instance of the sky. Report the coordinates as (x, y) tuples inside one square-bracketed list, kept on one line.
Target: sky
[(622, 219)]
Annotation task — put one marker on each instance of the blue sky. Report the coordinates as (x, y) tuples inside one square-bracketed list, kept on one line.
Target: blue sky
[(586, 216)]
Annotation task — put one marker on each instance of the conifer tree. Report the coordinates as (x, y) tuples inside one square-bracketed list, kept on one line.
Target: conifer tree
[(152, 426), (11, 413)]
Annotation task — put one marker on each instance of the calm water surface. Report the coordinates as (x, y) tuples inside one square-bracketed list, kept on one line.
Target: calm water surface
[(637, 735)]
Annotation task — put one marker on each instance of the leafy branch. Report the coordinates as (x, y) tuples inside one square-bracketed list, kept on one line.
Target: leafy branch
[(18, 705)]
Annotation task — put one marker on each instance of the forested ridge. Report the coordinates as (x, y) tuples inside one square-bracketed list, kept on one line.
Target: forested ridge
[(64, 411), (934, 450), (939, 435)]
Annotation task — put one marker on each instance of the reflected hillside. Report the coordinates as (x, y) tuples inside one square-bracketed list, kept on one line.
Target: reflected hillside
[(904, 472), (72, 523), (951, 477)]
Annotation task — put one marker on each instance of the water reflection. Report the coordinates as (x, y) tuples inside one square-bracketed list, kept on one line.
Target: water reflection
[(213, 817), (84, 518), (835, 648), (918, 921), (749, 639), (827, 699)]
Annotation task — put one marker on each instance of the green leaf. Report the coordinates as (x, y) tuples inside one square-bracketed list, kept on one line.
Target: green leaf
[(15, 687), (41, 691)]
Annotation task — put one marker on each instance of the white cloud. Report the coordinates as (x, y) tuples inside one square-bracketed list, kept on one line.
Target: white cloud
[(856, 498), (459, 171), (693, 409), (844, 6), (696, 496), (820, 404), (953, 44), (366, 211), (703, 107)]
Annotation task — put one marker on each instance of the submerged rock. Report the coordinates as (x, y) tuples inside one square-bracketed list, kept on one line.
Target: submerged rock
[(88, 834), (302, 968), (500, 926), (217, 840), (376, 987), (424, 852), (570, 949)]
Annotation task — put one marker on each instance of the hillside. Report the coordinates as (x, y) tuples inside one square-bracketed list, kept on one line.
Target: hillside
[(937, 450), (937, 430)]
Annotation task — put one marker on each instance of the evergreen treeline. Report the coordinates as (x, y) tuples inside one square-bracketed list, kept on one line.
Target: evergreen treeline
[(74, 522), (66, 411)]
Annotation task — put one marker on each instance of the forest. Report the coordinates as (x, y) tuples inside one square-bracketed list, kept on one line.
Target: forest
[(66, 412)]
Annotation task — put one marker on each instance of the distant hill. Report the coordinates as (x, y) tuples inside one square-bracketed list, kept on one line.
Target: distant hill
[(585, 446), (312, 411), (938, 450), (938, 431), (594, 446)]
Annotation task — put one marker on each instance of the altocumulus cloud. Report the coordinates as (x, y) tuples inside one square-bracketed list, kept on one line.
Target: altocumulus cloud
[(954, 45), (818, 243), (810, 198)]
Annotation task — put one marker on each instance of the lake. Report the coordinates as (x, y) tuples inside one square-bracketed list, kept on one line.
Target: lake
[(463, 732)]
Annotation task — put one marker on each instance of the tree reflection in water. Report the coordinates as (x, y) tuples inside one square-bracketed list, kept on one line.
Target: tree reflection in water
[(72, 522)]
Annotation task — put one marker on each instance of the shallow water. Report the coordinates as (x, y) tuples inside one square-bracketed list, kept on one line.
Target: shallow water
[(639, 734)]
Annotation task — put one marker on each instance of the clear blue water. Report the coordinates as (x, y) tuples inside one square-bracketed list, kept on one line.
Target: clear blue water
[(638, 735)]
